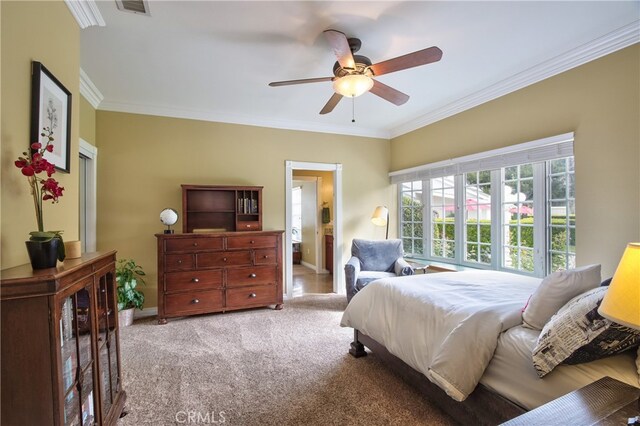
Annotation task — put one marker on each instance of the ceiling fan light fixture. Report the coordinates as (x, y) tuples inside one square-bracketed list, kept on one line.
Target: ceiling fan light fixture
[(353, 85)]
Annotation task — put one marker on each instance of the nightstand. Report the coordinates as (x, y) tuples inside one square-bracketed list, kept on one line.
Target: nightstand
[(604, 402)]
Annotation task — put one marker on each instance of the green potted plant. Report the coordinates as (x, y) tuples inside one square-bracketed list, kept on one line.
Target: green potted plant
[(128, 276)]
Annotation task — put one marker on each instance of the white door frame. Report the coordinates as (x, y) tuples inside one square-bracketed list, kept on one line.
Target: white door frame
[(317, 226), (91, 152), (336, 168)]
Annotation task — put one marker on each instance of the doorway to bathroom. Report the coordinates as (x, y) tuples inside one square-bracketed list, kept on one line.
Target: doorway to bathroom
[(313, 228)]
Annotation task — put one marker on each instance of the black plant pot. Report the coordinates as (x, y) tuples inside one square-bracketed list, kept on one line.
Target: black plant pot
[(43, 254)]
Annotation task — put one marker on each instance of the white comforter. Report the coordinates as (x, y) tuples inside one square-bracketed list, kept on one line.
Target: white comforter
[(445, 325)]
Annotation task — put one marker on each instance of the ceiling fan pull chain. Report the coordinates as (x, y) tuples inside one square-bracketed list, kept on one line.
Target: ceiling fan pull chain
[(353, 109)]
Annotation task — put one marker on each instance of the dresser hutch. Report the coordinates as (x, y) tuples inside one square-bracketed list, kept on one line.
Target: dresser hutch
[(222, 261)]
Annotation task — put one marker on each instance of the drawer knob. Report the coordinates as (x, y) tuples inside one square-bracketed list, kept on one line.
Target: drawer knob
[(249, 226), (179, 262), (194, 301), (224, 259), (266, 256), (252, 295), (195, 244), (253, 242), (195, 280), (252, 276)]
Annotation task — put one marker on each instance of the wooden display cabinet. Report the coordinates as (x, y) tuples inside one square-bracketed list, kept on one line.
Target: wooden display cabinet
[(216, 208), (60, 344)]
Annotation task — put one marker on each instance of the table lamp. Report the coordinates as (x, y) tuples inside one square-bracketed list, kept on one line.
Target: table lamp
[(168, 217), (380, 217), (621, 303)]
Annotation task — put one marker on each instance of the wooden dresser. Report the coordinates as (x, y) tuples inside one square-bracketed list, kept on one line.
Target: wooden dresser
[(218, 272), (60, 344)]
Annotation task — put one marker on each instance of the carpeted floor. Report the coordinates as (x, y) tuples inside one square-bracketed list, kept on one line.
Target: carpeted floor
[(262, 367)]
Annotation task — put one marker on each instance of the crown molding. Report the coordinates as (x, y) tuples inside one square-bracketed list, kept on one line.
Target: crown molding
[(609, 43), (86, 13), (222, 117), (89, 90)]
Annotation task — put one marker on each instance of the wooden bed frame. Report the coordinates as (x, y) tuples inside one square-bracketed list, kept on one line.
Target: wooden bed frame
[(482, 407)]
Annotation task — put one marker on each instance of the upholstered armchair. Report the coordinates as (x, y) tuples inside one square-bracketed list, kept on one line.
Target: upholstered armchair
[(371, 260)]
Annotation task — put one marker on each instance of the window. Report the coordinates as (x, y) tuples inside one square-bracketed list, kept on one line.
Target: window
[(517, 213), (443, 216), (561, 215), (296, 213), (412, 228), (477, 217), (510, 215)]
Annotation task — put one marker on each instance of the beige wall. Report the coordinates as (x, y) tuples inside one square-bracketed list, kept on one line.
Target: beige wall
[(600, 102), (45, 32), (144, 159), (87, 121)]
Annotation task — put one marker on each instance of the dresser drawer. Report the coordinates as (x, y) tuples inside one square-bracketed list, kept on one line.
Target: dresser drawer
[(193, 302), (223, 258), (251, 295), (192, 280), (265, 256), (248, 226), (251, 241), (178, 262), (193, 244), (237, 277)]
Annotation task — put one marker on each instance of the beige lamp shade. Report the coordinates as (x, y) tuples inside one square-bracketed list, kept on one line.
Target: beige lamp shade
[(621, 303), (380, 215)]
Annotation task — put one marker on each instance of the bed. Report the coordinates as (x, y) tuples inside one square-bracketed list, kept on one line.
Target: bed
[(459, 337)]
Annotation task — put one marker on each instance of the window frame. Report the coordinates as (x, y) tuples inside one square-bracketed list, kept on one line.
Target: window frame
[(541, 225)]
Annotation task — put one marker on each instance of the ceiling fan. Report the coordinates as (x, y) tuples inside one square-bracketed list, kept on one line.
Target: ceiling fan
[(353, 74)]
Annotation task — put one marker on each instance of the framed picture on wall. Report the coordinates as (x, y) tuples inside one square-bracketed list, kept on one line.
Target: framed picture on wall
[(51, 110)]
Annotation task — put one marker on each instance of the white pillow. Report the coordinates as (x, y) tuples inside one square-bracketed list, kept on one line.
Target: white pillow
[(555, 291)]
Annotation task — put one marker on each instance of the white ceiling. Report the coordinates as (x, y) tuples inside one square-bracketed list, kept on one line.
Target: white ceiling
[(213, 60)]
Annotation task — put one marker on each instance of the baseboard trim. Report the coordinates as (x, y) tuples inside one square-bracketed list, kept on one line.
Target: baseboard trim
[(308, 265), (145, 313)]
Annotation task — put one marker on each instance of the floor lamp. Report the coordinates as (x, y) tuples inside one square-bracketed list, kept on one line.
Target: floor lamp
[(380, 217)]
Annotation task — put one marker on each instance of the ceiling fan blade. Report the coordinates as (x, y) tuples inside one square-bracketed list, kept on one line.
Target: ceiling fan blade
[(410, 60), (340, 45), (389, 93), (333, 101), (303, 81)]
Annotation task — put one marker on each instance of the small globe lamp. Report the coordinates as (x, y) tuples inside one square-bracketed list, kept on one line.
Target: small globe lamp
[(168, 217)]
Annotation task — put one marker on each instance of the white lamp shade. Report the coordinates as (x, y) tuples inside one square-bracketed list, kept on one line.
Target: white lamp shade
[(352, 85), (380, 215), (621, 303)]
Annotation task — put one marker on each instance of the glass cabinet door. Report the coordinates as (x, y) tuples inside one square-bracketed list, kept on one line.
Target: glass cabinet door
[(77, 361), (107, 342)]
